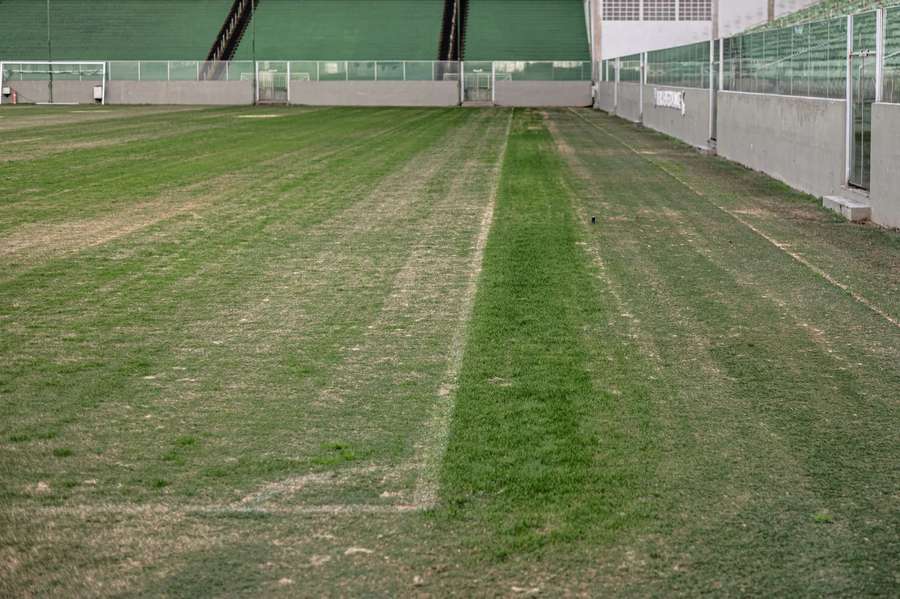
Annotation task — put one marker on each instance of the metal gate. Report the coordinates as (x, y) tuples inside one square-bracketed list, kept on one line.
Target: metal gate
[(863, 96), (478, 82), (272, 80)]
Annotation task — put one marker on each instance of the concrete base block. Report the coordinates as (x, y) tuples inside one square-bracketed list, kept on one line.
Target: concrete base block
[(852, 210)]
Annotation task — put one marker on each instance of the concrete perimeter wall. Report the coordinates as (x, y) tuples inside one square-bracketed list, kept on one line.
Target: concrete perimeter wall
[(542, 93), (629, 101), (885, 193), (375, 93), (606, 96), (692, 127), (211, 93), (33, 92), (797, 140)]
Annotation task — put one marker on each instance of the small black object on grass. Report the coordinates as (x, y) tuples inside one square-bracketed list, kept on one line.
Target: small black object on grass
[(593, 220)]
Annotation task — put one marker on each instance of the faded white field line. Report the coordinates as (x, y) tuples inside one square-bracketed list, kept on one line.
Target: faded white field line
[(405, 192), (434, 442), (774, 242), (281, 488), (404, 288), (161, 509)]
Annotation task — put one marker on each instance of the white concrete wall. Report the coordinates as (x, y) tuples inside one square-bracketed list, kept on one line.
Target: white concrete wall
[(542, 93), (201, 93), (692, 127), (375, 93), (621, 38), (628, 105), (799, 141), (606, 96), (884, 197)]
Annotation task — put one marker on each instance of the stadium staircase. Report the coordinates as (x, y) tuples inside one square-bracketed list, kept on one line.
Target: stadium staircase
[(229, 38), (232, 31), (448, 48)]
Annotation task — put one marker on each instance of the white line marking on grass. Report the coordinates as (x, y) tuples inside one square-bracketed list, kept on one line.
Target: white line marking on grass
[(181, 510), (260, 116), (437, 430), (779, 245)]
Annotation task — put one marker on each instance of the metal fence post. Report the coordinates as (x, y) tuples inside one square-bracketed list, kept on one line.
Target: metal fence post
[(642, 72), (462, 83), (879, 55), (721, 85), (848, 141), (616, 86), (493, 83)]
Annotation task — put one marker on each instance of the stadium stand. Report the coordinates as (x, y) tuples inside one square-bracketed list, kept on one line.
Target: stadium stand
[(292, 29), (111, 29), (346, 30), (23, 30), (525, 30), (828, 9)]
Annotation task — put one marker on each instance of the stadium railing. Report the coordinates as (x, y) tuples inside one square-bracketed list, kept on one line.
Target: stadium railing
[(294, 70), (343, 70), (805, 59)]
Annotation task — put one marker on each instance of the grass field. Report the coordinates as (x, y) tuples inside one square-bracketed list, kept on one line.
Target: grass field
[(386, 351)]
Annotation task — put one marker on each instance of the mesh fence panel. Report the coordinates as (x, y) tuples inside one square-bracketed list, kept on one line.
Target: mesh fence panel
[(57, 72), (684, 66), (179, 70), (630, 68), (420, 71), (363, 70), (892, 56), (543, 71), (803, 60), (370, 70)]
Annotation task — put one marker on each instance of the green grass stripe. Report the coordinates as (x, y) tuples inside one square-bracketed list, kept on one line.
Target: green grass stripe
[(539, 453)]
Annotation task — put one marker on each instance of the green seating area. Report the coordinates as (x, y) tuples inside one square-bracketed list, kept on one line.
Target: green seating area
[(110, 29), (117, 30), (526, 30), (345, 30)]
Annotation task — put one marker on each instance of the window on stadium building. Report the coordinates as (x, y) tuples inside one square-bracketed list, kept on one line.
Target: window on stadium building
[(695, 10), (657, 10), (622, 10)]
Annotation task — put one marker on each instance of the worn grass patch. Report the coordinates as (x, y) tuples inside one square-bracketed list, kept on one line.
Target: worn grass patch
[(231, 349)]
